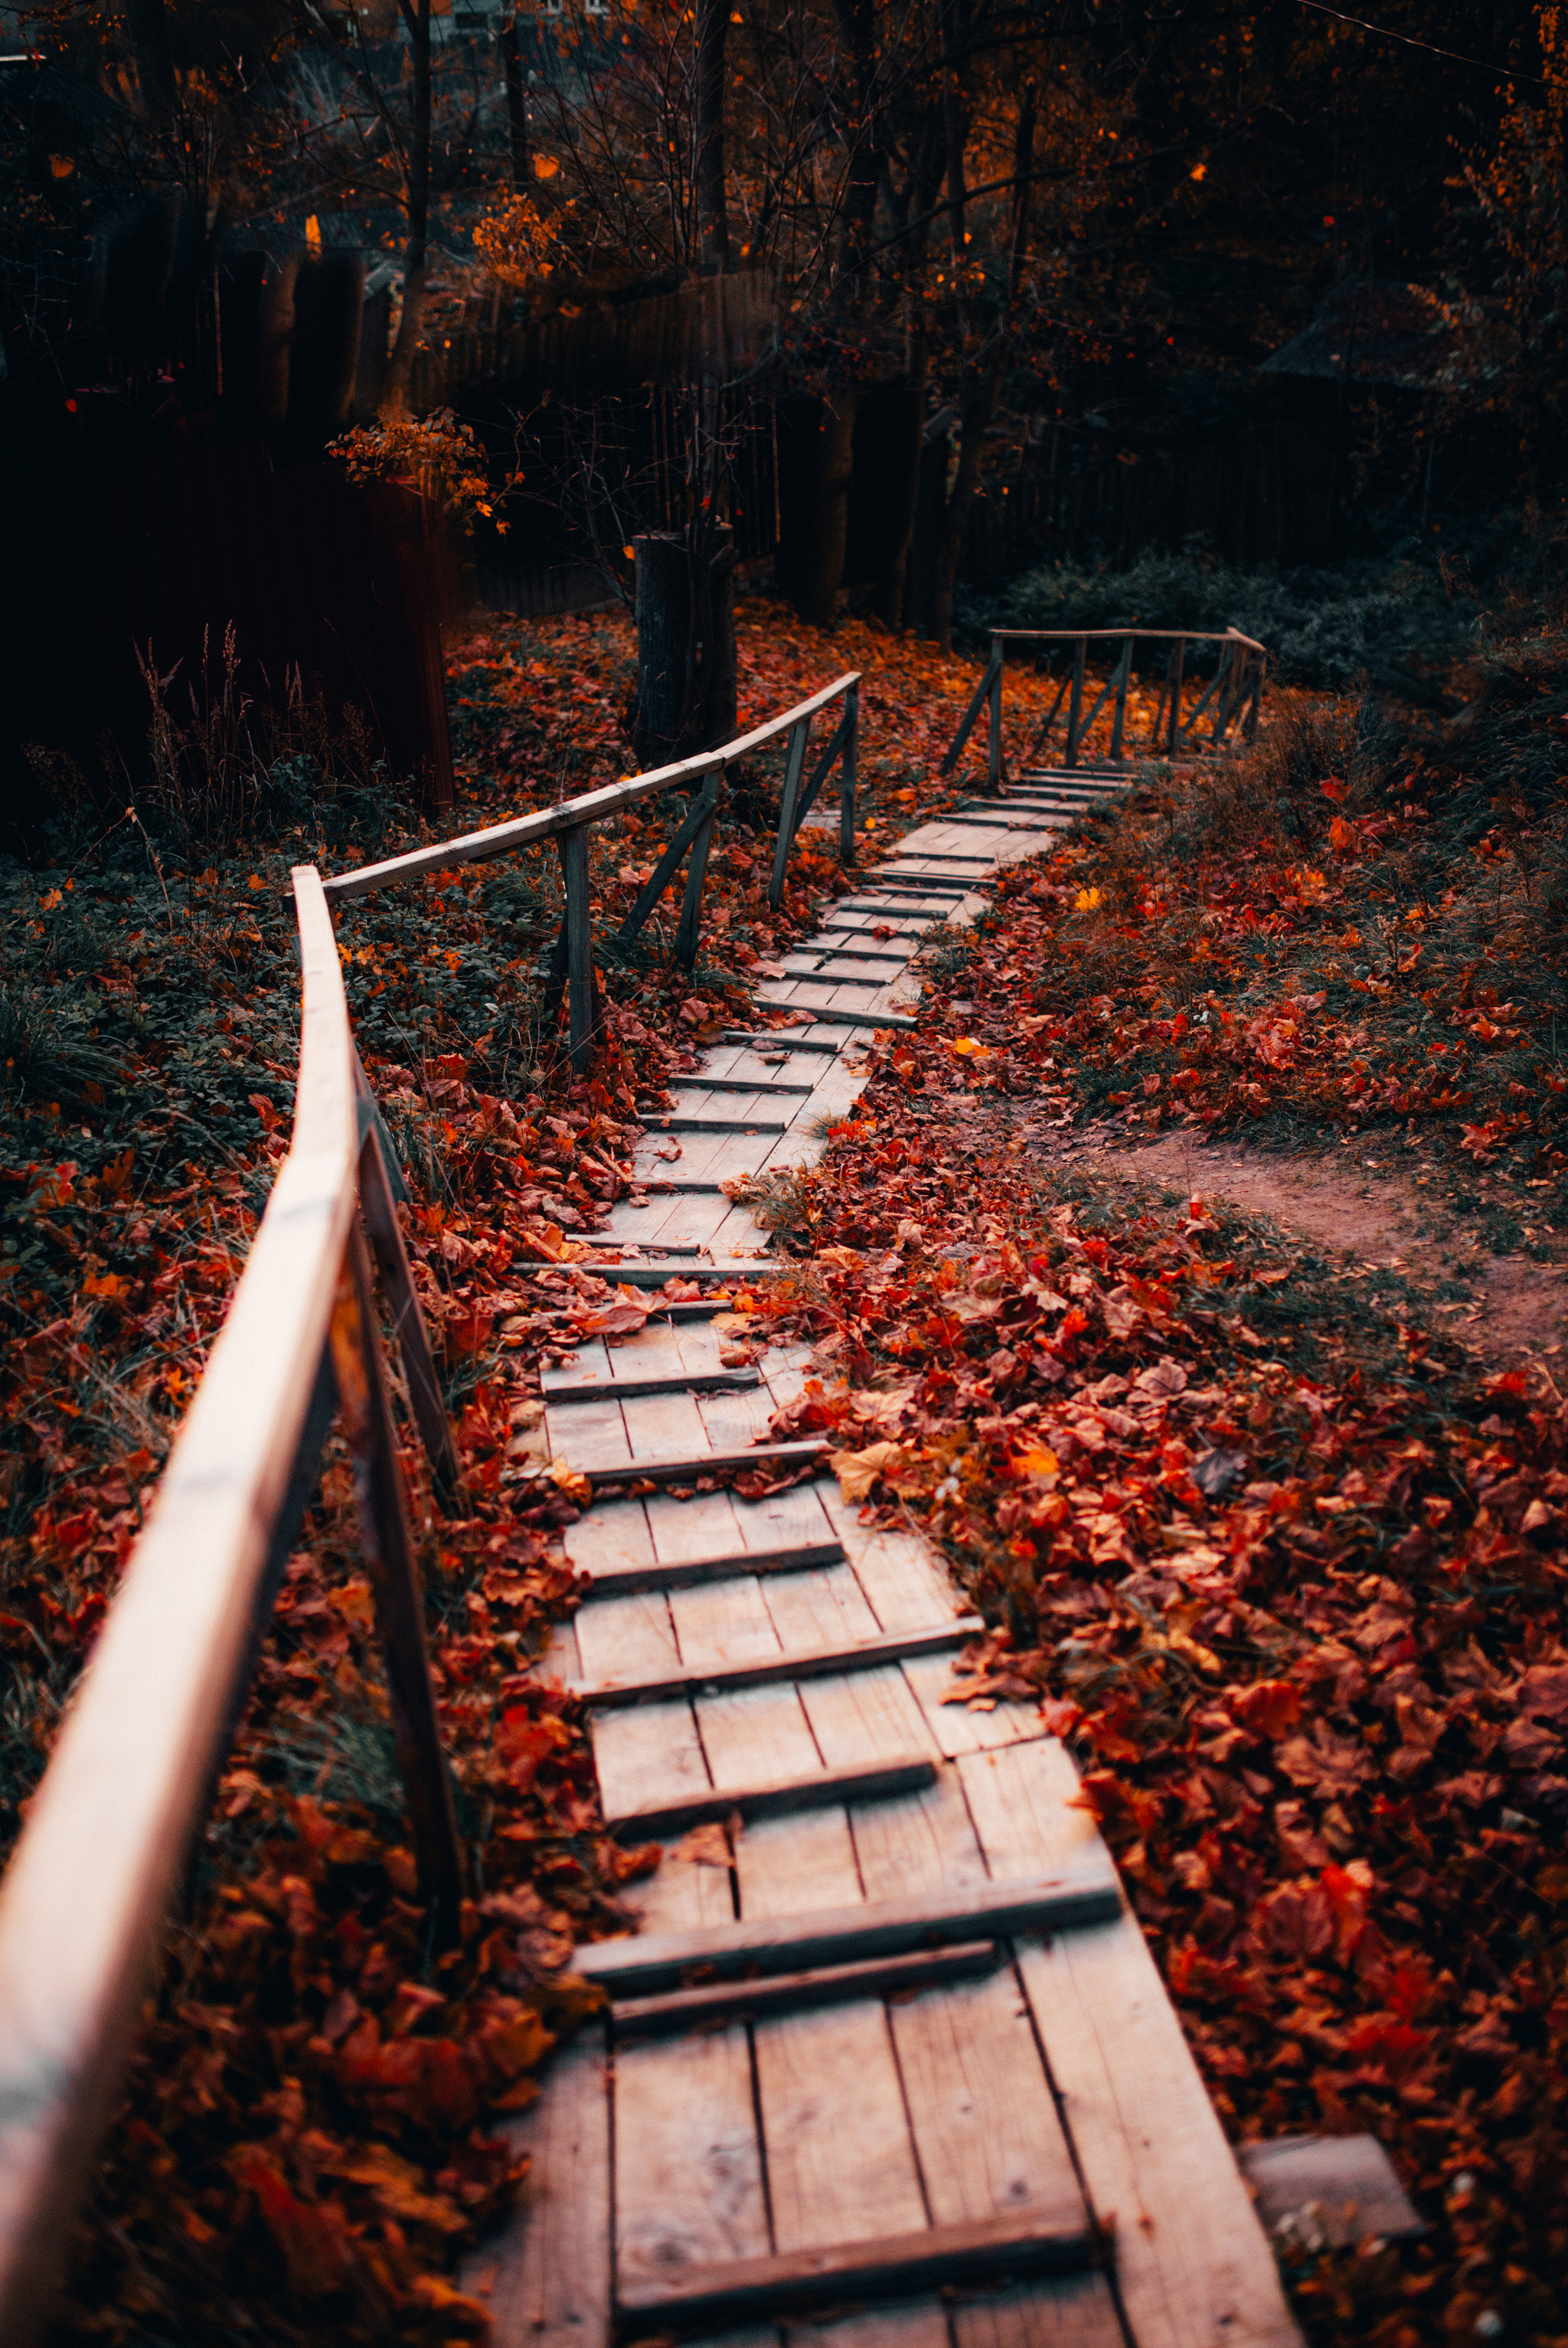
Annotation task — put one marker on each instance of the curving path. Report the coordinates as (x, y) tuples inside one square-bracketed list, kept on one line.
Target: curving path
[(888, 2053)]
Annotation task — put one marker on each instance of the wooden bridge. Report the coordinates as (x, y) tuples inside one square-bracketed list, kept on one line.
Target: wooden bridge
[(888, 2049), (888, 2052)]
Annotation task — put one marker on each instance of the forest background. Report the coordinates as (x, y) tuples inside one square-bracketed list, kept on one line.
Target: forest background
[(1049, 245)]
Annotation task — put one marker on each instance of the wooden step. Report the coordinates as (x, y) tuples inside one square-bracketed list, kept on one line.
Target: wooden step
[(686, 1468), (840, 1018), (691, 1573), (622, 1389), (653, 1271), (735, 1085), (767, 1671), (778, 1039), (729, 1124), (823, 1789), (1055, 2239), (833, 1936), (754, 2001)]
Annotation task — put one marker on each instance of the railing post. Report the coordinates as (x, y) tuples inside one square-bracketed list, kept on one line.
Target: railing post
[(1178, 663), (1075, 706), (395, 1582), (793, 772), (690, 923), (1124, 678), (994, 750), (574, 847), (847, 775), (414, 1344), (1260, 663)]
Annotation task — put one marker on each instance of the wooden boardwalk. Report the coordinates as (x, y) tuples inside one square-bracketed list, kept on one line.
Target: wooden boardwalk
[(888, 2051)]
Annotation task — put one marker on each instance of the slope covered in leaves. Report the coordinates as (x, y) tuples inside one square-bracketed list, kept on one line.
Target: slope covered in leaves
[(1282, 1567), (307, 2139)]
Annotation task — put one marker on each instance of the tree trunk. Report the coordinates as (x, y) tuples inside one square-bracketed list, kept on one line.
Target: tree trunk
[(975, 409), (417, 197), (857, 24), (887, 600), (977, 401), (712, 198), (687, 666), (825, 530), (516, 105), (154, 58)]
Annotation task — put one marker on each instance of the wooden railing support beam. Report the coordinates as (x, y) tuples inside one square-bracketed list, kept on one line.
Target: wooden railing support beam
[(573, 848), (408, 1321), (689, 927), (851, 721), (388, 1547), (797, 760), (1081, 647), (993, 741)]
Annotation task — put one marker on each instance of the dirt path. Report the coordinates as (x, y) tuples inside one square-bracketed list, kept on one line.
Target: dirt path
[(1375, 1212)]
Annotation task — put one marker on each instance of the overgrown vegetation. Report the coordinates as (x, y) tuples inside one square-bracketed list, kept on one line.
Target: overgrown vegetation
[(1356, 931), (1323, 627)]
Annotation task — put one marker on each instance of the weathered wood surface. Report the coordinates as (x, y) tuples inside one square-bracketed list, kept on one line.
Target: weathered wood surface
[(591, 806), (813, 2107)]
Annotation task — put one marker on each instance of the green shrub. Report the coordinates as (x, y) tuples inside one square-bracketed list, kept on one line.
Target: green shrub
[(1323, 627)]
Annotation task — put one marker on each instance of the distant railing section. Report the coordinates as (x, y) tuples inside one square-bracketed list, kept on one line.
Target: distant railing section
[(1238, 680), (87, 1893), (571, 963)]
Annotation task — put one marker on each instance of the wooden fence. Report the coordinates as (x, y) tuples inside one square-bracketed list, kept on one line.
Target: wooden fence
[(102, 1858), (569, 824), (1238, 680)]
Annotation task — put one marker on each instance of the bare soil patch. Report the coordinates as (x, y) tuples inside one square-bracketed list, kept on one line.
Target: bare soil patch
[(1375, 1212)]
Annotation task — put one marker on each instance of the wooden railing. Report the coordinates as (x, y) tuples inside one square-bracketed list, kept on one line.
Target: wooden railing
[(109, 1834), (571, 966), (1238, 679)]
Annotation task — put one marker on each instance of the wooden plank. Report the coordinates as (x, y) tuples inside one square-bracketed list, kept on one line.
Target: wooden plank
[(863, 1654), (689, 2169), (593, 1436), (955, 1727), (754, 2001), (1342, 2188), (1066, 1902), (686, 1467), (654, 1271), (690, 2300), (1147, 2139), (779, 1796), (109, 1830), (613, 1541), (646, 1754), (840, 2165), (659, 1426), (624, 1386), (627, 1635), (546, 2279), (687, 1572), (590, 807)]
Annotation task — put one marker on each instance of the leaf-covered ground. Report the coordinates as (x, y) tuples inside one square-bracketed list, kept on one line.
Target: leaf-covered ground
[(1285, 1572), (307, 2140), (1281, 1564)]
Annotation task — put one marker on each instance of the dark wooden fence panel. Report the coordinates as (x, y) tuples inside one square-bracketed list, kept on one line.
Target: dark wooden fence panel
[(111, 550)]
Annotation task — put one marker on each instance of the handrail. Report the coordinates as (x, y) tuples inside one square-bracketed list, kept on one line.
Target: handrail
[(1238, 679), (109, 1831), (1150, 635), (571, 965), (89, 1887), (548, 823)]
